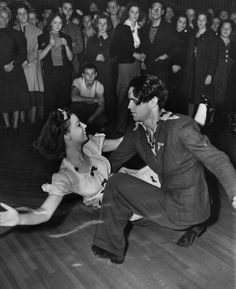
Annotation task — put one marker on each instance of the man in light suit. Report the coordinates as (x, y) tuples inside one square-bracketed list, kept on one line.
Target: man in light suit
[(173, 147)]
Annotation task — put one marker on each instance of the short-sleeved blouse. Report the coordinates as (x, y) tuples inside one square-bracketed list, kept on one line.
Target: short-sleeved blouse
[(70, 180)]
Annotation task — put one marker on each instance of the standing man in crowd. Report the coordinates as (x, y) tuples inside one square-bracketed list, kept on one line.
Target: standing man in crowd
[(160, 42), (113, 12), (47, 12), (75, 33), (173, 147)]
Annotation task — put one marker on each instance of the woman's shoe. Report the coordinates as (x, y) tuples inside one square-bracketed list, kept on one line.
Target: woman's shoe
[(187, 239), (104, 254)]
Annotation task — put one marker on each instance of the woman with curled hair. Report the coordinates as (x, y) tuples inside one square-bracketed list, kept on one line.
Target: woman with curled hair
[(201, 62), (127, 48), (55, 51), (98, 53), (83, 169)]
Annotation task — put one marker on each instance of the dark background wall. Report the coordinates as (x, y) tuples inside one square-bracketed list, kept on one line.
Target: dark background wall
[(177, 4)]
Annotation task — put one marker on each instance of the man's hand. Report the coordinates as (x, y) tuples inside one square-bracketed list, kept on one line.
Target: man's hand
[(162, 57), (175, 68), (8, 67), (208, 80), (100, 57)]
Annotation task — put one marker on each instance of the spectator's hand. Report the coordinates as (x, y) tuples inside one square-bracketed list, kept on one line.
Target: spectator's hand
[(100, 57), (138, 56), (52, 41), (143, 57), (143, 66), (176, 68), (98, 100), (63, 41), (162, 57), (208, 80), (79, 12), (10, 217), (8, 67), (234, 202), (25, 64)]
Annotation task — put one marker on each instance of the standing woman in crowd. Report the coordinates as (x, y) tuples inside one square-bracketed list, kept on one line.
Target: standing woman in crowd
[(98, 53), (201, 63), (126, 47), (176, 101), (55, 49), (13, 87), (230, 106), (223, 69), (32, 66)]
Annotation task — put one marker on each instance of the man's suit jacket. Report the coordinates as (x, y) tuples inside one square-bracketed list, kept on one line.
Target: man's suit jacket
[(181, 152), (165, 42)]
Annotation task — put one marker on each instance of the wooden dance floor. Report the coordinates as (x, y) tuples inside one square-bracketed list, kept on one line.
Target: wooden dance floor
[(57, 255)]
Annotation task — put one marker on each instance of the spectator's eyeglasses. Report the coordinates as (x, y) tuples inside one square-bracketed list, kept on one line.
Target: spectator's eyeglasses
[(157, 9)]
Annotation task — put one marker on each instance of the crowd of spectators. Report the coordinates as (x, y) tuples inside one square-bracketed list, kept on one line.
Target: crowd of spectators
[(84, 60)]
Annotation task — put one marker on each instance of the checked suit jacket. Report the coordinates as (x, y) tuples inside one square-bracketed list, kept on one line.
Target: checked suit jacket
[(181, 152)]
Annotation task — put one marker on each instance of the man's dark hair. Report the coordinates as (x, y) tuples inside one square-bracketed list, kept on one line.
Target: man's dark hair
[(67, 1), (146, 87), (89, 66), (21, 5), (156, 1)]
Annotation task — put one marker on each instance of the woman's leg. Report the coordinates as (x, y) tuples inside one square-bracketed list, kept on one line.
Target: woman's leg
[(15, 119), (6, 119)]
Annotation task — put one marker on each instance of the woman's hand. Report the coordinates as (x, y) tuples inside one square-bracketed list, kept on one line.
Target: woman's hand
[(162, 57), (63, 41), (8, 67), (208, 80), (139, 56), (52, 41), (10, 217), (100, 57)]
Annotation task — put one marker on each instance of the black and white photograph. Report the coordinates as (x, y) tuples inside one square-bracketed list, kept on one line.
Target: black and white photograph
[(118, 144)]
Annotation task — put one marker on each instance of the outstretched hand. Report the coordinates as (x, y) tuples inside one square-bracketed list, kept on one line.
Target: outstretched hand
[(10, 217)]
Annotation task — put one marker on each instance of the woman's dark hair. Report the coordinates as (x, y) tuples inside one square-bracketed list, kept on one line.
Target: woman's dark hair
[(53, 16), (208, 18), (102, 16), (128, 7), (146, 87), (51, 142), (179, 15)]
